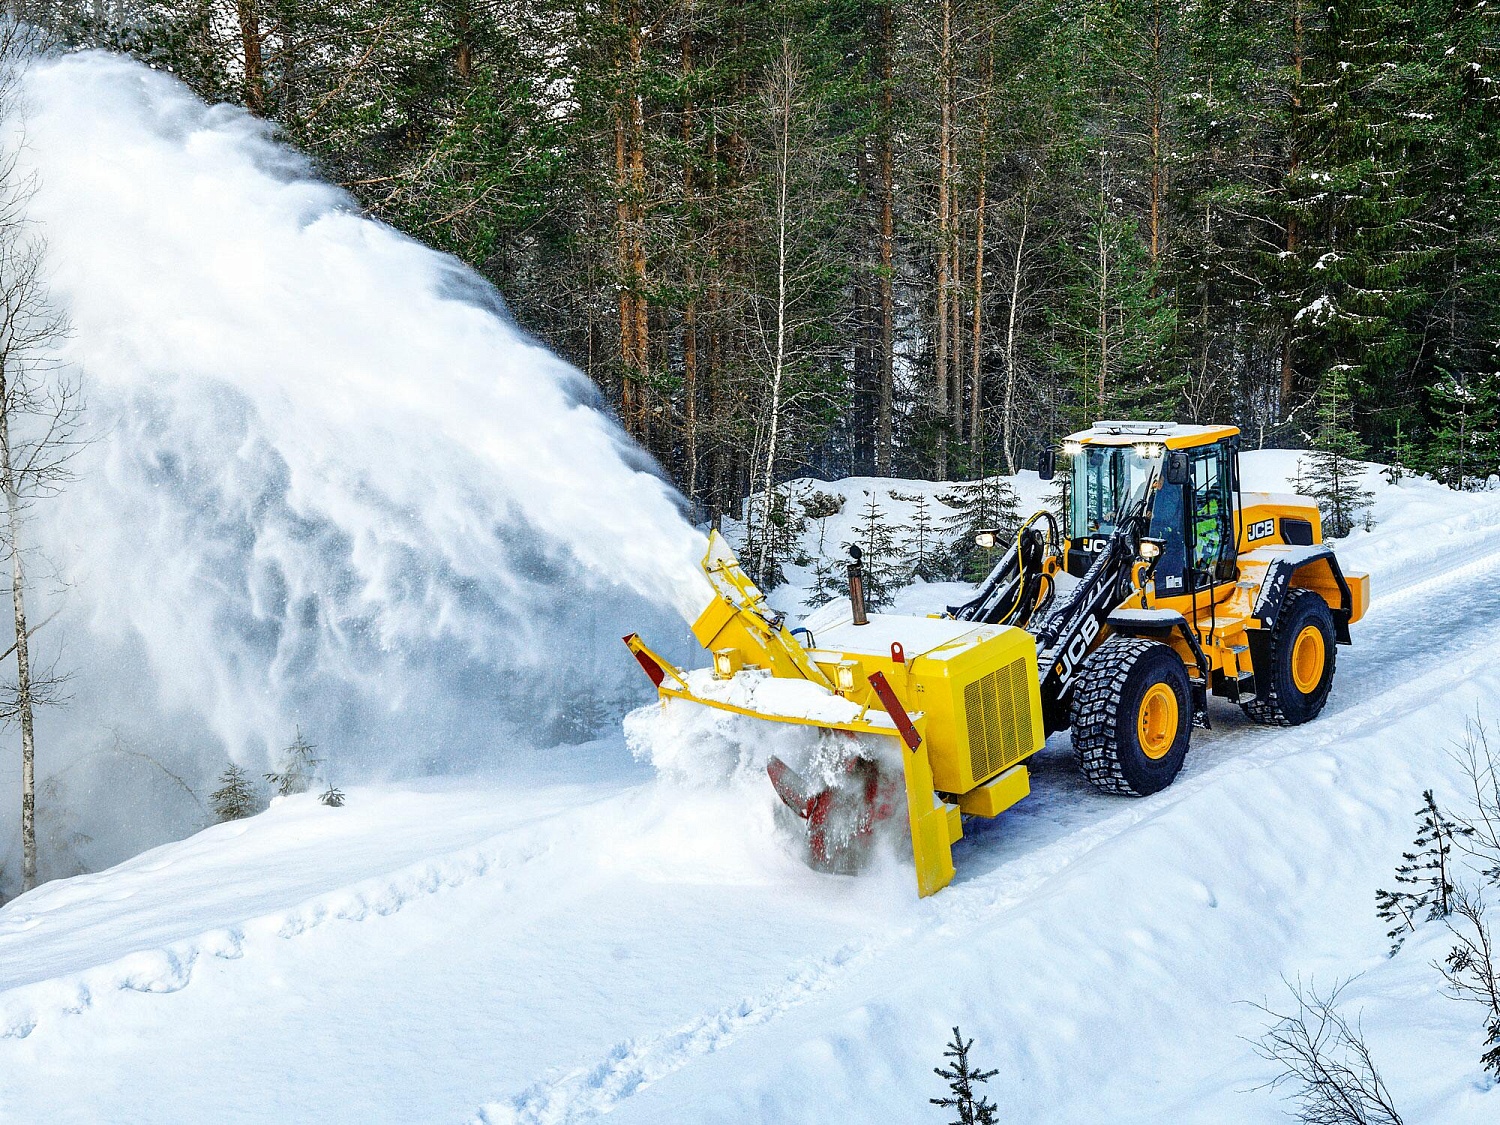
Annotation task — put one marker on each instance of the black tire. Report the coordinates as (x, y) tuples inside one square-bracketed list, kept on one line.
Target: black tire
[(1280, 700), (1107, 716)]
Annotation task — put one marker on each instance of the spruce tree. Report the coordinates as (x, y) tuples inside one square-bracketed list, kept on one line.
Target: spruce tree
[(1059, 498), (962, 1078), (1461, 449), (299, 768), (774, 533), (234, 799), (924, 546), (333, 797), (830, 576), (1399, 465), (1111, 332), (1136, 200), (1425, 875), (882, 555), (989, 503), (1329, 472), (830, 581), (1367, 202)]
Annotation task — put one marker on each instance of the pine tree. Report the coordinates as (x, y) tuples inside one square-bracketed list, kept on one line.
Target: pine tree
[(298, 770), (962, 1078), (1329, 473), (1427, 870), (333, 797), (234, 799), (1151, 208), (986, 504)]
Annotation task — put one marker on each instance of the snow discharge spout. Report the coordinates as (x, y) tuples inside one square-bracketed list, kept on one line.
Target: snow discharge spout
[(329, 481)]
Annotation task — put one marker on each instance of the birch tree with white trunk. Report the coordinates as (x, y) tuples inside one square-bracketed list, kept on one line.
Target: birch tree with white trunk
[(800, 259), (39, 412)]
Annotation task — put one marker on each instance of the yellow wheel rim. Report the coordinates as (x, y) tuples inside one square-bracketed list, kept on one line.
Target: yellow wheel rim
[(1307, 659), (1157, 725)]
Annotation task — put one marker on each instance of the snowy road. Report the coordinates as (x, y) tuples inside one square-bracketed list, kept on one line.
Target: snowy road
[(604, 943)]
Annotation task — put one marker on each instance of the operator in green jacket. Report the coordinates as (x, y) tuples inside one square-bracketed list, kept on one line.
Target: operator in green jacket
[(1208, 531)]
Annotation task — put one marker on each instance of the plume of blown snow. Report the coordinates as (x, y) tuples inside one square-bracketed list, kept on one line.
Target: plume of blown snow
[(329, 481)]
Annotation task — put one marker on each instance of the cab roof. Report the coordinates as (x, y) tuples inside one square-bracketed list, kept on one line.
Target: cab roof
[(1173, 435)]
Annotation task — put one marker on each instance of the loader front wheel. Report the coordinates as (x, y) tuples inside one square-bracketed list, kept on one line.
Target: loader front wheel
[(1295, 687), (1132, 716)]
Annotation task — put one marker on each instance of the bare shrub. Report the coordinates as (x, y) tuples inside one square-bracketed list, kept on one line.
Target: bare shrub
[(1324, 1061)]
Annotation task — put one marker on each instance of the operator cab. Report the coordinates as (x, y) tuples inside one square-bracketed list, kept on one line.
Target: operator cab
[(1187, 474)]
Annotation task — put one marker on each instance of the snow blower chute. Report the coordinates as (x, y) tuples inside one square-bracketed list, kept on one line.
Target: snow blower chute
[(1181, 586)]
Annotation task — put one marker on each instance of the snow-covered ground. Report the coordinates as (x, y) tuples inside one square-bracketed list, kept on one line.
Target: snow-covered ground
[(577, 937)]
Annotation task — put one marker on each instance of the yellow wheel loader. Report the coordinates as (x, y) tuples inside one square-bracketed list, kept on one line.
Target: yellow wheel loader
[(1170, 584)]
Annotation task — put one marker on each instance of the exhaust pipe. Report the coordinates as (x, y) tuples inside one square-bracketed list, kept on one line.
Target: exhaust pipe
[(857, 587)]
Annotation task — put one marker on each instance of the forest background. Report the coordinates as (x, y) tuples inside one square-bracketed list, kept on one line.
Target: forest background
[(922, 238)]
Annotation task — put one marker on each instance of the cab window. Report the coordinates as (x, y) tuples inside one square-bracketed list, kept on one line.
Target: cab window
[(1108, 481), (1211, 528)]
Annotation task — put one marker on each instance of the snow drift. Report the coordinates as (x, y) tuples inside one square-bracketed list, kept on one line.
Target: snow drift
[(330, 482)]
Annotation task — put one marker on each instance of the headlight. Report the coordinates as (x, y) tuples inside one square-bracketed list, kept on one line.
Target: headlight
[(985, 539), (1149, 449), (1072, 448), (1150, 549)]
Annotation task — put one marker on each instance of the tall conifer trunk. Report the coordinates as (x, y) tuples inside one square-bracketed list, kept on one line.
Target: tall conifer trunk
[(976, 345), (885, 430), (1288, 369), (690, 304), (941, 374), (250, 44)]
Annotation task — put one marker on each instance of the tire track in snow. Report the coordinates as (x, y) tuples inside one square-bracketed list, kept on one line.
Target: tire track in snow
[(633, 1064), (1381, 667)]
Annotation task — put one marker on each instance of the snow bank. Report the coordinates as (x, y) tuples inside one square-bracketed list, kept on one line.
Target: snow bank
[(330, 482)]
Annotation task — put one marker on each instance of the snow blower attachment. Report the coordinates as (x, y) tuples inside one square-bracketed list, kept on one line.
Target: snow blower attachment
[(892, 702), (1180, 586)]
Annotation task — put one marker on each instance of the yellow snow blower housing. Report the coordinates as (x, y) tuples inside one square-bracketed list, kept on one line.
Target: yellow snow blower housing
[(959, 700), (1170, 584)]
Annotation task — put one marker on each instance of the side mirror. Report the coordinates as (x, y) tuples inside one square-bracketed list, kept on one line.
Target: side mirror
[(1046, 464), (1175, 469)]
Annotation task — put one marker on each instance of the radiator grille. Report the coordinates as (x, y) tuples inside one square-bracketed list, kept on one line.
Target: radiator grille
[(998, 710)]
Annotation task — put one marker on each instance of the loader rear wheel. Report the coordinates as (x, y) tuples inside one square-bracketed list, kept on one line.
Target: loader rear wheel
[(1296, 685), (1132, 716)]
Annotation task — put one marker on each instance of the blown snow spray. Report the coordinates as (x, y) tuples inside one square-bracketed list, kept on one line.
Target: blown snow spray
[(329, 481)]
